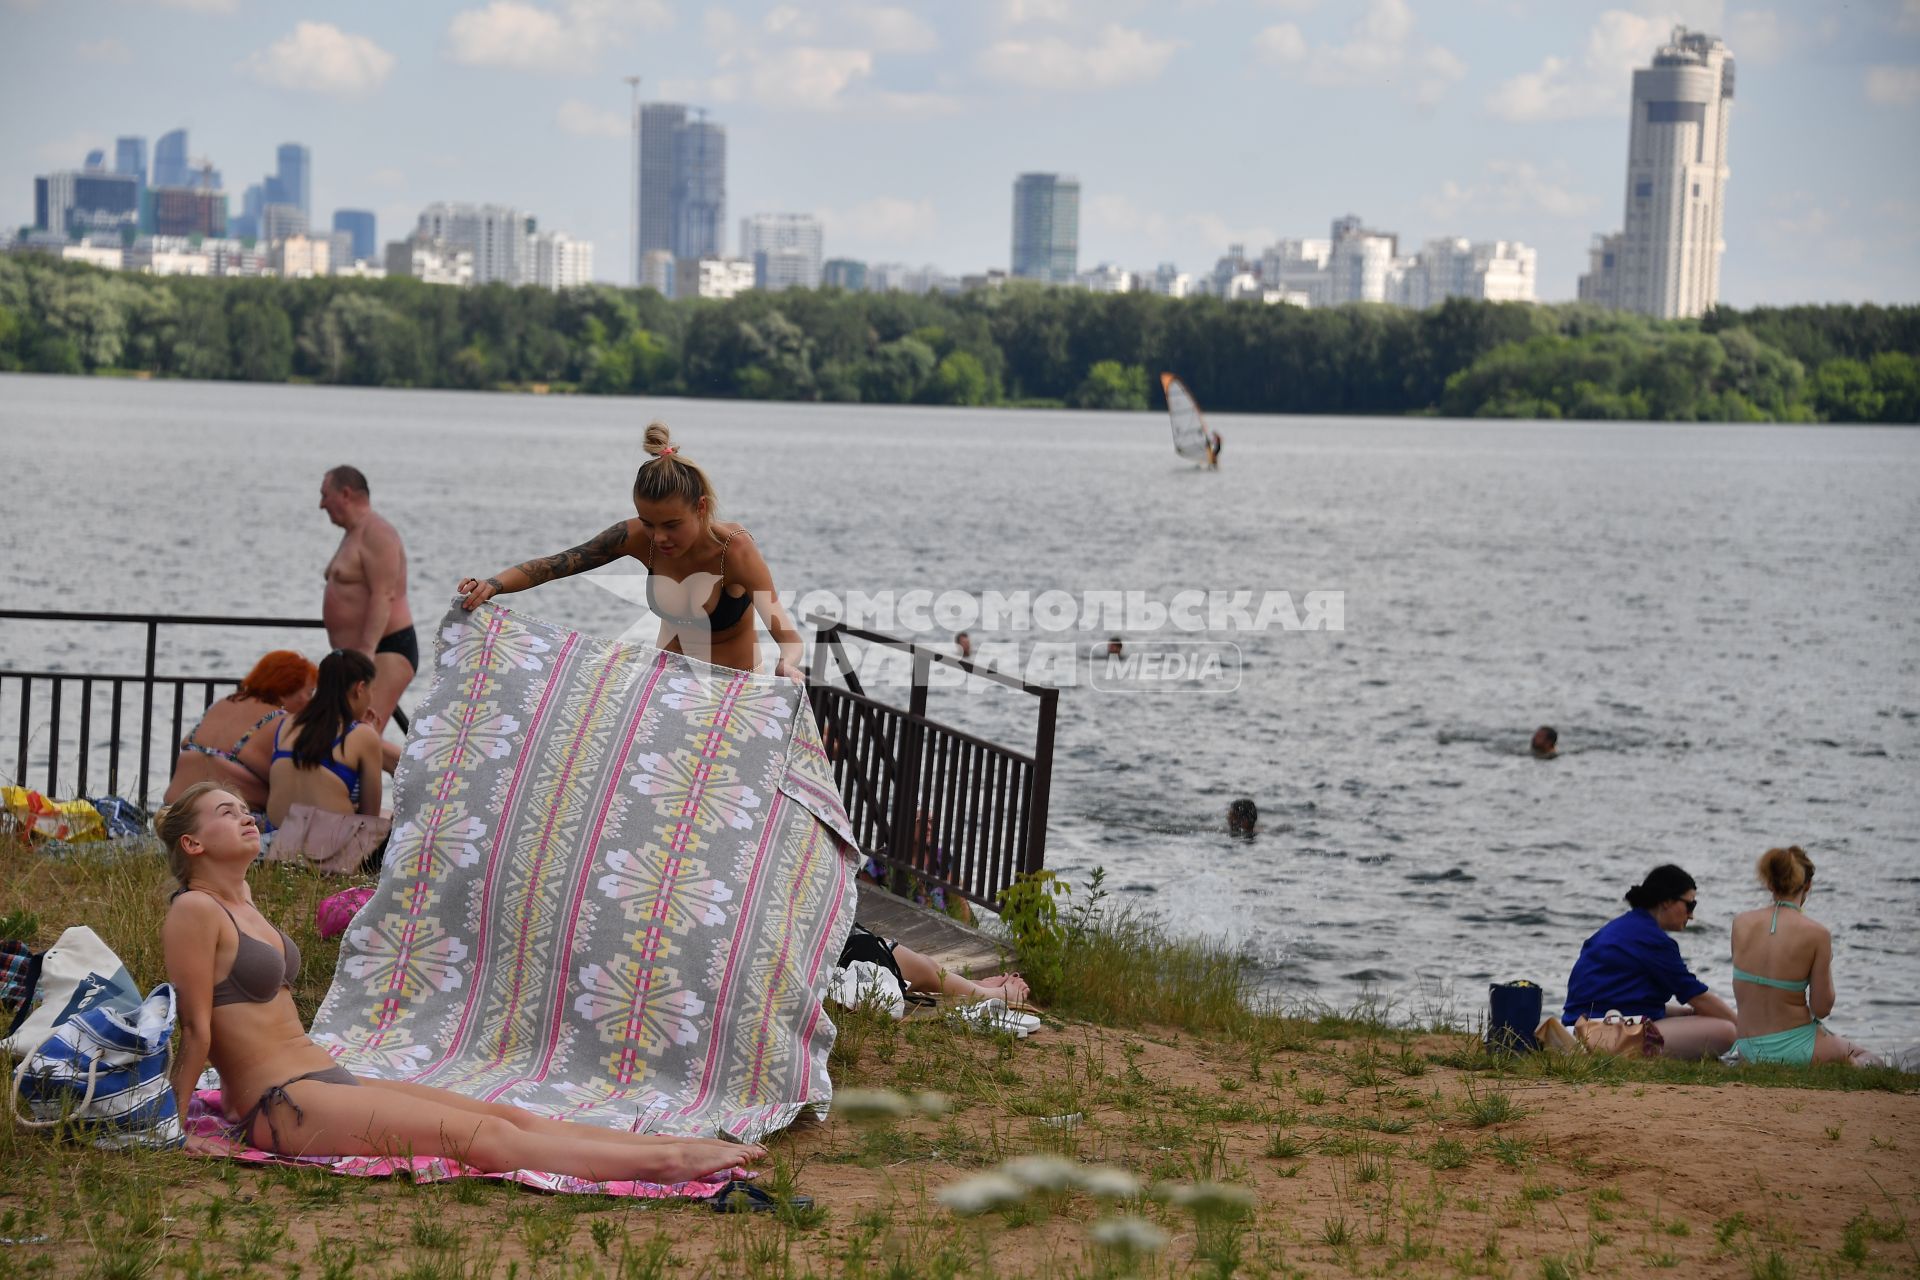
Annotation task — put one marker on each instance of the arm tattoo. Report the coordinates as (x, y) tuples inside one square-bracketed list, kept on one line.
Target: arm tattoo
[(603, 548)]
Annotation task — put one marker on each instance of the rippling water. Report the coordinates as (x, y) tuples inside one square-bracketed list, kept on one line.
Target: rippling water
[(1719, 620)]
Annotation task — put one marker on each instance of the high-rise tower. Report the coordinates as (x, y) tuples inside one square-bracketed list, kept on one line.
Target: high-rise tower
[(1046, 227), (1666, 262)]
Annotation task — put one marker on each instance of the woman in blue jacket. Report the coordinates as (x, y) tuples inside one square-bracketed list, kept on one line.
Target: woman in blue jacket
[(1632, 965)]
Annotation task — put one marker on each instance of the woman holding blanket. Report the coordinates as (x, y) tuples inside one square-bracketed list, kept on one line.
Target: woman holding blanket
[(705, 579), (232, 972)]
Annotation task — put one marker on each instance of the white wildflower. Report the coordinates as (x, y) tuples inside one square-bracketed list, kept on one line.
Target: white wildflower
[(931, 1103), (871, 1104), (1130, 1235), (980, 1193), (1108, 1183), (1042, 1173)]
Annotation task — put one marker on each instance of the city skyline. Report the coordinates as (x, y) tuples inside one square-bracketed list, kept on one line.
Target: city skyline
[(1190, 126)]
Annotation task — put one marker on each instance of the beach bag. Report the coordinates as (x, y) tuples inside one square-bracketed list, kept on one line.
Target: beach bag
[(105, 1070), (863, 944), (339, 843), (1615, 1034), (77, 973), (335, 913), (866, 983), (35, 817), (124, 819)]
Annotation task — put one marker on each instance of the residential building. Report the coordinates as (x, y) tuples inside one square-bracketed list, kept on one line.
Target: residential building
[(785, 249), (496, 235), (991, 278), (657, 271), (1490, 271), (339, 252), (359, 226), (167, 256), (433, 261), (108, 256), (278, 221), (560, 261), (844, 273), (1601, 283), (298, 257), (1105, 278), (1299, 266), (1667, 263), (230, 257), (75, 201), (188, 211), (1046, 227), (170, 160), (1360, 263), (712, 277), (360, 270)]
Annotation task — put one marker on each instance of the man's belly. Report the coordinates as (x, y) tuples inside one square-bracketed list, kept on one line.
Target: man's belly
[(343, 608)]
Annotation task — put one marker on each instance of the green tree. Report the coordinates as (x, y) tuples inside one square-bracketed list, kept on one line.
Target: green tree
[(1112, 385), (262, 338), (897, 371), (1843, 391), (960, 379)]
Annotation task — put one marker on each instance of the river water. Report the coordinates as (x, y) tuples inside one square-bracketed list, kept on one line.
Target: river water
[(1719, 620)]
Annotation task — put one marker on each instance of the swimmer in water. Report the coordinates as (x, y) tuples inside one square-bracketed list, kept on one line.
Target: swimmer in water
[(1546, 742), (1242, 817)]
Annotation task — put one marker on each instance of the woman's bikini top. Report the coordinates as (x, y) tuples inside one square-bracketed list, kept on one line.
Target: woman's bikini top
[(345, 772), (259, 970), (188, 744), (1778, 984), (725, 614)]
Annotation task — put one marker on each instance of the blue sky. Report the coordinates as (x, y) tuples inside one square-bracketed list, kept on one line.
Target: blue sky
[(1190, 123)]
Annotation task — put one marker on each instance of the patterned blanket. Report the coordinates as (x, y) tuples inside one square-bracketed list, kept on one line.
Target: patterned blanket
[(617, 884)]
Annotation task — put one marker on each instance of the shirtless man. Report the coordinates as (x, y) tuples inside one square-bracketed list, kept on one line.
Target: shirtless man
[(365, 606)]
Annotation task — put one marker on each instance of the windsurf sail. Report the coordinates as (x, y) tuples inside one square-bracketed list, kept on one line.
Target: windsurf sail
[(1191, 439)]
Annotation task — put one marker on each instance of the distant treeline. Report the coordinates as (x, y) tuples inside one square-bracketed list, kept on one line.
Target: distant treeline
[(1020, 345)]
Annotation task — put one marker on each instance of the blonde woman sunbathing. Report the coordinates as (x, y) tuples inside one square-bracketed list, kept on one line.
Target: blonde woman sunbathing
[(232, 970)]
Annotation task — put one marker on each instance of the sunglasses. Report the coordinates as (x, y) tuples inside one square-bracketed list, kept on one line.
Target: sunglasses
[(1690, 904)]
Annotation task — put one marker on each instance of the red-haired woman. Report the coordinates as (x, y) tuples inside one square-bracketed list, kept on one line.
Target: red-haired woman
[(233, 743)]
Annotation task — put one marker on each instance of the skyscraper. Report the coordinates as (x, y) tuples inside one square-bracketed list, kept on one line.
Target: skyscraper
[(699, 190), (292, 182), (130, 158), (170, 160), (659, 121), (1046, 227), (496, 236), (1667, 260), (359, 224)]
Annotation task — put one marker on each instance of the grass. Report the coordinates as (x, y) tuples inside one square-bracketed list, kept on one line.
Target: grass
[(1371, 1148)]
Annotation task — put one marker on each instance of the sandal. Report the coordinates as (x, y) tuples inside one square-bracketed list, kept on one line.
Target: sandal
[(740, 1196)]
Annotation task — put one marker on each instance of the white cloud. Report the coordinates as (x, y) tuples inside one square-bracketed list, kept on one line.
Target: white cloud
[(1600, 82), (1119, 55), (892, 29), (1017, 13), (1281, 43), (521, 36), (1380, 49), (885, 221), (319, 57), (588, 121), (1893, 86), (108, 51), (806, 77), (790, 23), (1510, 186)]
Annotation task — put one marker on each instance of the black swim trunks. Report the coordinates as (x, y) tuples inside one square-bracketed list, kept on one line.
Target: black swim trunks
[(403, 642)]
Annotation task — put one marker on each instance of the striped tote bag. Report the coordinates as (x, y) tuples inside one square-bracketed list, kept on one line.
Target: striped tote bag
[(104, 1071)]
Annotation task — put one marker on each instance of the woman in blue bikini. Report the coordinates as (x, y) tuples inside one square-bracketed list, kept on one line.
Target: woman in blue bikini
[(328, 756), (705, 580), (1779, 1018)]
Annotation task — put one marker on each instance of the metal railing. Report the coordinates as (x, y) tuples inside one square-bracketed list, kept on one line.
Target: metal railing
[(927, 800), (71, 714)]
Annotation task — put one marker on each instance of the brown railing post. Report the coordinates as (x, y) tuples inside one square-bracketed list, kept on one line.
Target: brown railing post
[(1036, 850)]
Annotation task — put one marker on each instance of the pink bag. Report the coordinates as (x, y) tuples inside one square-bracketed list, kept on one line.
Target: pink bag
[(334, 914)]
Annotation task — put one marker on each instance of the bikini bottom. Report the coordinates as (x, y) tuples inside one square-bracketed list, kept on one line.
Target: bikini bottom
[(1793, 1046), (277, 1095)]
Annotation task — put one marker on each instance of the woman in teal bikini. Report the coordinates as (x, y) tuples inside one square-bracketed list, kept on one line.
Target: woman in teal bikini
[(1779, 1017)]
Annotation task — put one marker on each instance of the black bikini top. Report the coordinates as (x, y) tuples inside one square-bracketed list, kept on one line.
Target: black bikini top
[(725, 614)]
